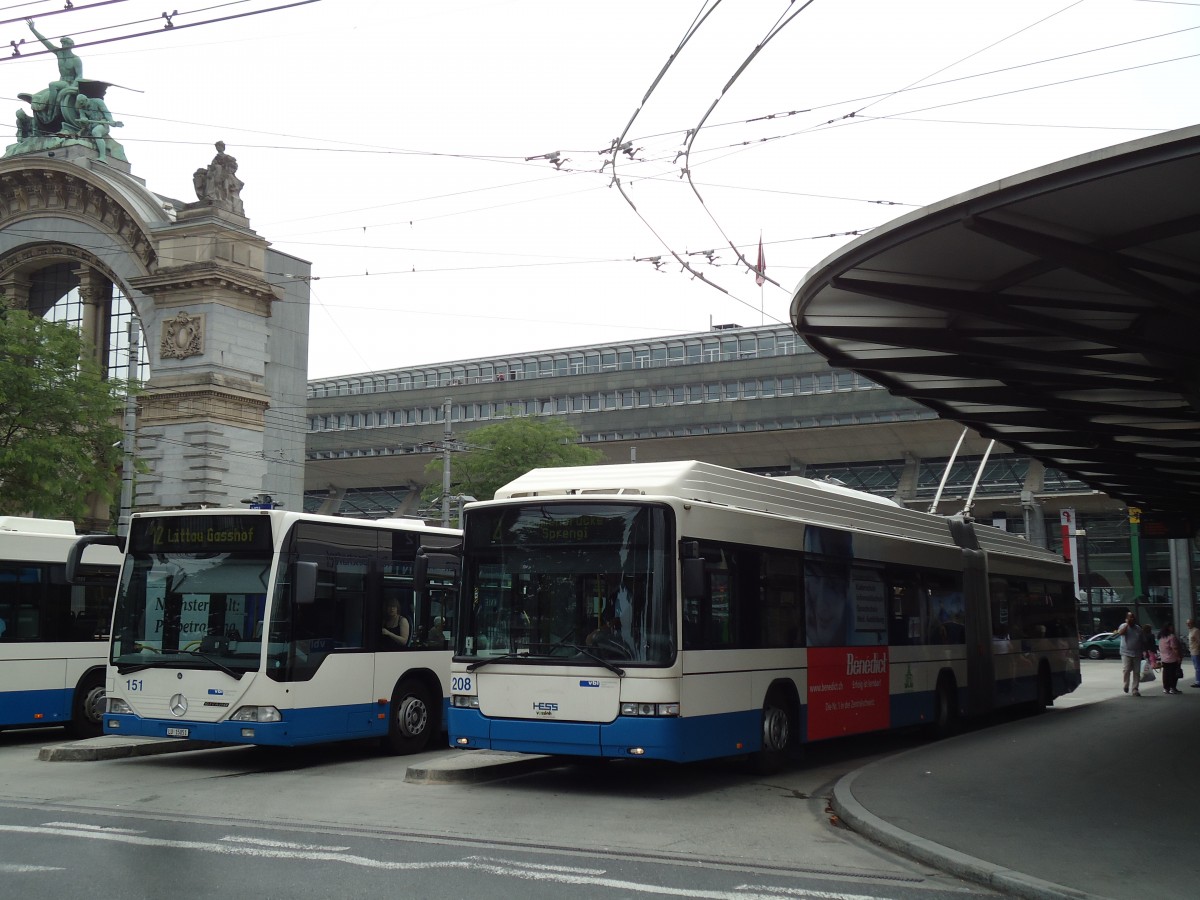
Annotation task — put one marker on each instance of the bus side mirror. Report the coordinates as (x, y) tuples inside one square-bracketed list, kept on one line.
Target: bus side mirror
[(304, 583), (693, 579), (75, 573), (420, 572), (444, 565)]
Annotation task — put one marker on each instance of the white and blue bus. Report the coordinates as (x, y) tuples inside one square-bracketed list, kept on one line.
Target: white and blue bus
[(684, 611), (279, 628), (53, 634)]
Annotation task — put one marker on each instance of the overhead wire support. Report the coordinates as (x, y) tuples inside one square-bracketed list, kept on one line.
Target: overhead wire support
[(170, 26), (69, 8), (693, 133)]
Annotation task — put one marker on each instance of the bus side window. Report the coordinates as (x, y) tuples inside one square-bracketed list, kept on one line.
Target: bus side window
[(905, 624)]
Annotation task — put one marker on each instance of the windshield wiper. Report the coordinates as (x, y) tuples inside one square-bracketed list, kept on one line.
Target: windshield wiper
[(126, 668), (503, 656), (232, 673), (612, 667)]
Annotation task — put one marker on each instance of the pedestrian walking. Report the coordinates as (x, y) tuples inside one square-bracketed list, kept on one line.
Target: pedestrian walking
[(1131, 655), (1193, 637), (1172, 659)]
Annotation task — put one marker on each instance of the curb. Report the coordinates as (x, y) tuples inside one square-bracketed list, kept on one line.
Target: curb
[(97, 748), (477, 767), (1006, 881)]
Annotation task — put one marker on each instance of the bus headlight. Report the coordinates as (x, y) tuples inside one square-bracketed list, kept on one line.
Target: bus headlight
[(465, 701), (670, 710), (119, 707), (256, 714)]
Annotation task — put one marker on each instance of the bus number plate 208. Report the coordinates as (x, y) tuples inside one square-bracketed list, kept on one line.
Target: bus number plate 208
[(461, 684)]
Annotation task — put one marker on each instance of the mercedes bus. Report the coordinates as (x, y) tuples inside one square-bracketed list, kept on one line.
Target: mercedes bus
[(279, 628)]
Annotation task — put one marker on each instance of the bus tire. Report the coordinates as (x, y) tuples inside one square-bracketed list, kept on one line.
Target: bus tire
[(1044, 697), (412, 718), (87, 706), (778, 733), (945, 709)]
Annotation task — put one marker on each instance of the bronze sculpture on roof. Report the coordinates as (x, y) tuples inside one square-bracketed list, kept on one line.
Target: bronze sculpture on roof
[(69, 111)]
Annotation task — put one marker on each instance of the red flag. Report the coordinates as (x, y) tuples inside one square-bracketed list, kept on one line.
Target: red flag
[(760, 270)]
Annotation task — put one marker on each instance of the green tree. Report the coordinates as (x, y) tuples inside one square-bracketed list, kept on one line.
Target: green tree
[(506, 450), (59, 441)]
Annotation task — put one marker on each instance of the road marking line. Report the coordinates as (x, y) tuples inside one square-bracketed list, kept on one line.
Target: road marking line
[(286, 845), (507, 869)]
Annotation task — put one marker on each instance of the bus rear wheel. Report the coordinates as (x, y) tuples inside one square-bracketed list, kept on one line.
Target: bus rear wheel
[(87, 707), (412, 718), (778, 734), (945, 710), (1044, 696)]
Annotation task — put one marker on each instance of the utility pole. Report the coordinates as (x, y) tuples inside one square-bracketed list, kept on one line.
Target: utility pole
[(447, 436), (130, 433)]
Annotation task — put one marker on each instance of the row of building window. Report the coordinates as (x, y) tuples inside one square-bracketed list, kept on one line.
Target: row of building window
[(595, 401), (690, 350), (860, 418)]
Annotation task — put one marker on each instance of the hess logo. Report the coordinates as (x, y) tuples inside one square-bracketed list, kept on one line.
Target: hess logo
[(544, 708)]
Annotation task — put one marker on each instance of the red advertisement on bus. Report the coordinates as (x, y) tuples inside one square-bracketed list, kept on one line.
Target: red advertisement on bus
[(847, 691)]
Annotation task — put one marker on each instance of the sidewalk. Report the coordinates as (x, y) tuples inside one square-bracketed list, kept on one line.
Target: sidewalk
[(1035, 808)]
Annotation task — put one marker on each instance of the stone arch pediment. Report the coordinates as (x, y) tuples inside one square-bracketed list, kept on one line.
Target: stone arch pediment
[(112, 204)]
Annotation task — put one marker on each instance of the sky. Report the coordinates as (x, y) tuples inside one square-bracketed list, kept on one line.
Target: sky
[(406, 149)]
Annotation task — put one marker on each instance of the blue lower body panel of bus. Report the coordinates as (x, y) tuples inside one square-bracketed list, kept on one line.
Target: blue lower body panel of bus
[(52, 707), (299, 727), (626, 737)]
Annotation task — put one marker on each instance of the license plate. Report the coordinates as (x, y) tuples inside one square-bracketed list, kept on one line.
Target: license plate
[(177, 732)]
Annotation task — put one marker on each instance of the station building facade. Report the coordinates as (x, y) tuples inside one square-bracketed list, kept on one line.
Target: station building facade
[(755, 398)]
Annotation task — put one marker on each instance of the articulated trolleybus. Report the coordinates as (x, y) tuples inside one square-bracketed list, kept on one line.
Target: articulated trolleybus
[(684, 611), (279, 628), (53, 633)]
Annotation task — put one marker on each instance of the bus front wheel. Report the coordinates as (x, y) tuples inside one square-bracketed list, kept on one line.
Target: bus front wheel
[(412, 718), (778, 733), (87, 707)]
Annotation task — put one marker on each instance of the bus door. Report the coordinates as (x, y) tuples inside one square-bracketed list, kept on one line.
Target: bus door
[(333, 673)]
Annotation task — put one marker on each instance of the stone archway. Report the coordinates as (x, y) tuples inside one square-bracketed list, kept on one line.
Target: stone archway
[(221, 417)]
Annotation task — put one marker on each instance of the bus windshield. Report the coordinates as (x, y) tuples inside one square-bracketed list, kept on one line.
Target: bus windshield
[(565, 580), (193, 595)]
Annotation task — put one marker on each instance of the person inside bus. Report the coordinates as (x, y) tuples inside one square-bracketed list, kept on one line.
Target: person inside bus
[(609, 634), (396, 628)]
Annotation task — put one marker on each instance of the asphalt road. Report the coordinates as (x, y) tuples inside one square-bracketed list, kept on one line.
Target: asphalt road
[(343, 820), (1016, 806)]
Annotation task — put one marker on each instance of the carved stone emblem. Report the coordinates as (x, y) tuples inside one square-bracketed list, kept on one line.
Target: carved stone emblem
[(182, 336)]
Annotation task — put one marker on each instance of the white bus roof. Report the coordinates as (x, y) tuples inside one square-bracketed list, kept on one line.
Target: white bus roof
[(801, 499), (37, 526)]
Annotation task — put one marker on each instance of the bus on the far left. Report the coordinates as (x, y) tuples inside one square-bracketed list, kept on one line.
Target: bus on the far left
[(53, 634)]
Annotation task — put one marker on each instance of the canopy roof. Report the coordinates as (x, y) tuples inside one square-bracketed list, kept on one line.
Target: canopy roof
[(1056, 311)]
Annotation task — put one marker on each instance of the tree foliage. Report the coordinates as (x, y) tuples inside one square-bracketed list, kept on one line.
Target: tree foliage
[(506, 450), (59, 439)]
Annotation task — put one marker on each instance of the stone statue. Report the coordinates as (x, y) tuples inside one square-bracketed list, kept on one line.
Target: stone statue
[(95, 120), (70, 111), (219, 184), (70, 70)]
